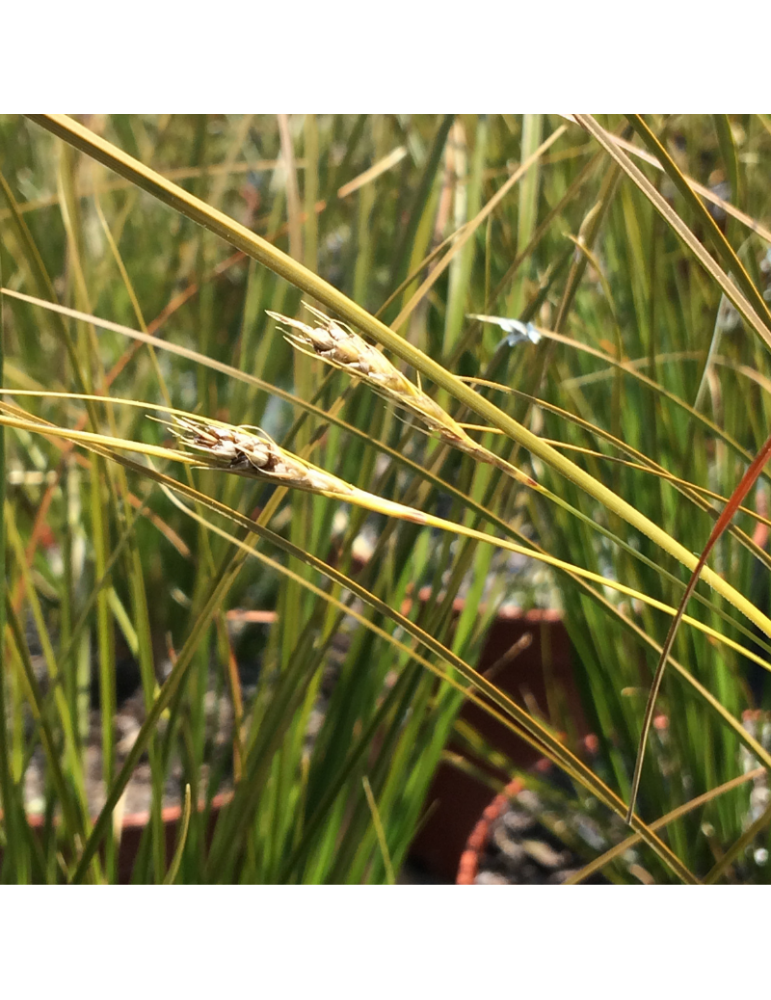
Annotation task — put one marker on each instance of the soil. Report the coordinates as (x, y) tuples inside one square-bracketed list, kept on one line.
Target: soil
[(525, 848), (544, 836), (138, 794), (131, 713)]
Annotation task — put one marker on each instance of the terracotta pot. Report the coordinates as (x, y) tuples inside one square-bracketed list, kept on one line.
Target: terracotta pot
[(480, 835), (479, 838), (134, 824), (455, 799)]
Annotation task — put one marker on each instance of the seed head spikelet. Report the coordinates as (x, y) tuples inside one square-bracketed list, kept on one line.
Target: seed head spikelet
[(253, 453), (250, 452), (336, 344)]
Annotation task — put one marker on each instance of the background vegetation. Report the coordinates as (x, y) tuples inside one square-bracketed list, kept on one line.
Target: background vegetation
[(274, 635)]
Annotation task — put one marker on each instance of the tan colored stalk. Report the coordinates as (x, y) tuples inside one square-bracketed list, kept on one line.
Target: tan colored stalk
[(631, 842)]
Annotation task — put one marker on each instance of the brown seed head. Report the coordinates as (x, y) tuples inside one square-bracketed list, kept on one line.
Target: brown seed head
[(339, 346), (251, 452)]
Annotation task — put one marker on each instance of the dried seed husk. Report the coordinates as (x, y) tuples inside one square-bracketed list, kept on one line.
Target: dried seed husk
[(253, 453)]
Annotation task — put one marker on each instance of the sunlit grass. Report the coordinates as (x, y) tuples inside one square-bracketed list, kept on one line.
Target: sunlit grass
[(621, 431)]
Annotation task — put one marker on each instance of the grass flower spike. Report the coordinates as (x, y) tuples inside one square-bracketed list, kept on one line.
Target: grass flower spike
[(251, 452), (335, 343)]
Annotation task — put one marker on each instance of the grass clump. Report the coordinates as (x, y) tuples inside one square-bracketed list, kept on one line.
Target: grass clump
[(531, 275)]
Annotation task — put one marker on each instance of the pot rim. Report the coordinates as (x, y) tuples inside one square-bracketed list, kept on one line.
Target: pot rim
[(169, 814), (468, 865)]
